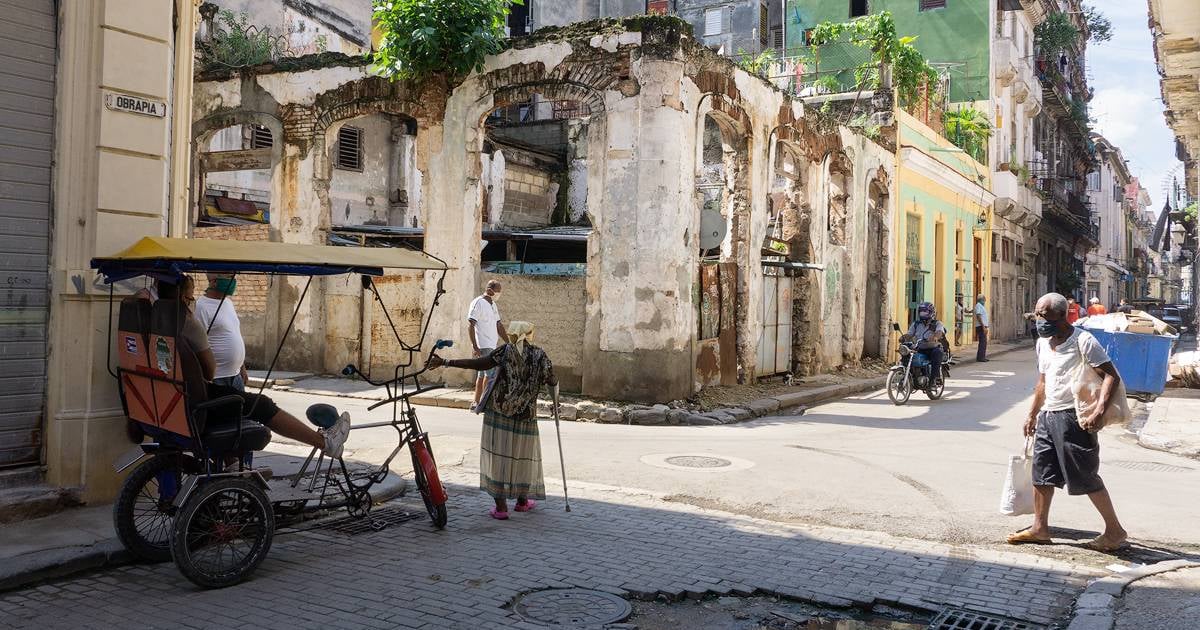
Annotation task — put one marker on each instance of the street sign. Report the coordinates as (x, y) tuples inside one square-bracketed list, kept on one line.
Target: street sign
[(134, 105)]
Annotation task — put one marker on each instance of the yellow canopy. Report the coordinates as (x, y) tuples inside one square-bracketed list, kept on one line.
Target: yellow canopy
[(161, 254)]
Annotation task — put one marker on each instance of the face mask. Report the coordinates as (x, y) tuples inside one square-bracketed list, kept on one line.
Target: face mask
[(923, 316), (1046, 328), (226, 285)]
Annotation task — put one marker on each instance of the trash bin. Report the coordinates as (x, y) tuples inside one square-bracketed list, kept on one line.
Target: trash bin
[(1141, 360)]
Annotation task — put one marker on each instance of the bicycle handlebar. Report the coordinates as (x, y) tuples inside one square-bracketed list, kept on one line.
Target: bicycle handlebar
[(351, 369)]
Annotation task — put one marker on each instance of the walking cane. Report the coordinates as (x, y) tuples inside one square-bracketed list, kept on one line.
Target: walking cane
[(561, 463)]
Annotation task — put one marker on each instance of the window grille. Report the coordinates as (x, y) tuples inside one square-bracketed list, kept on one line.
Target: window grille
[(859, 8), (349, 149), (260, 137), (764, 28), (714, 19), (932, 4)]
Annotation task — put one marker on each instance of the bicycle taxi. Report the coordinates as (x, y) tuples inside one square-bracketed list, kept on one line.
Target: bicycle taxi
[(194, 494)]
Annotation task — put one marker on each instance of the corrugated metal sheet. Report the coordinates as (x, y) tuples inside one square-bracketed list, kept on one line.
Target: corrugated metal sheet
[(27, 57), (775, 344)]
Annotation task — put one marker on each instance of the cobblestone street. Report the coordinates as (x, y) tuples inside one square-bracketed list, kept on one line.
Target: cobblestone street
[(411, 576)]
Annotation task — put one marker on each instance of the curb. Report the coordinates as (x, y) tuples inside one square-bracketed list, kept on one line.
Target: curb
[(63, 562), (1096, 608), (1146, 437)]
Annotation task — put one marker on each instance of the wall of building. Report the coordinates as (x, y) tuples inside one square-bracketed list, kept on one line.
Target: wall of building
[(310, 26), (556, 306), (942, 195), (362, 197), (740, 26), (957, 34), (402, 297), (113, 176)]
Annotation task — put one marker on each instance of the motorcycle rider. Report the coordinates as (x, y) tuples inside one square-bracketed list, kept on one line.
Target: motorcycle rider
[(929, 334)]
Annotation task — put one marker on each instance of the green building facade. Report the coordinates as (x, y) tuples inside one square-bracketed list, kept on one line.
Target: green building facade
[(953, 32)]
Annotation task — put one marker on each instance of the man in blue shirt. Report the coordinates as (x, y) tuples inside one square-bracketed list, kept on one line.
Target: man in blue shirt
[(982, 324)]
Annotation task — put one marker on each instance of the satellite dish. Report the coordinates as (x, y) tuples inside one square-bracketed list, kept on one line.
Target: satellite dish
[(713, 228)]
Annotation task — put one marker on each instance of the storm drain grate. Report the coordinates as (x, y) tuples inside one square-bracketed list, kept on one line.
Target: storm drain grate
[(376, 521), (955, 619), (1150, 466), (698, 461), (572, 608)]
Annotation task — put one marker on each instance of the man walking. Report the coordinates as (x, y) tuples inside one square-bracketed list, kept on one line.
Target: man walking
[(217, 314), (1066, 449), (982, 324), (486, 331), (958, 320)]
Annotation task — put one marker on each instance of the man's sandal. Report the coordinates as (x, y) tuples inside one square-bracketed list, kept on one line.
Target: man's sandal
[(1026, 537), (1103, 546)]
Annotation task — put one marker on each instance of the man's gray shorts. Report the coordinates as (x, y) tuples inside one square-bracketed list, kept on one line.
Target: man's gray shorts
[(483, 352), (1065, 454)]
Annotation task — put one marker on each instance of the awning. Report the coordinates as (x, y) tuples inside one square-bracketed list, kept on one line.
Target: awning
[(160, 255), (1117, 268)]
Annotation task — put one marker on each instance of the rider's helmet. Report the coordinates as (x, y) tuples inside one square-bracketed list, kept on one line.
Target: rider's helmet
[(926, 312)]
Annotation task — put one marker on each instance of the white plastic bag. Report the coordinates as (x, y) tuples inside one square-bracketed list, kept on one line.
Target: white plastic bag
[(1017, 497)]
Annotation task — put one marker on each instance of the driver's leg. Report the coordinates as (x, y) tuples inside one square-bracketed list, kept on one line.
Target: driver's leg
[(935, 362)]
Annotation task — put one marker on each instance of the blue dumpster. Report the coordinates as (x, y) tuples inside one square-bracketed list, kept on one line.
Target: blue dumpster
[(1141, 360)]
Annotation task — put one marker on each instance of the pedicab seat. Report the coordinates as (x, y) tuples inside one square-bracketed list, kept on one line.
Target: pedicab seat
[(163, 390)]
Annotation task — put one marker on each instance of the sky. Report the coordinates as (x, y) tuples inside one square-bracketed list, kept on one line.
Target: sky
[(1127, 108)]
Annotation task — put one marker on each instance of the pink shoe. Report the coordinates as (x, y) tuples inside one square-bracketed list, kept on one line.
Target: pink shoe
[(498, 515), (527, 506)]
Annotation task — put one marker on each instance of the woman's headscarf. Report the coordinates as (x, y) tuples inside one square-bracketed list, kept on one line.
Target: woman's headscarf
[(519, 334)]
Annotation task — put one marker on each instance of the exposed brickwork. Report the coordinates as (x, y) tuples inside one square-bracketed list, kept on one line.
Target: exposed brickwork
[(252, 290)]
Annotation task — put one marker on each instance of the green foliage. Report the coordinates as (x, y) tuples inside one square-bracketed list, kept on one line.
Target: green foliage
[(1056, 34), (877, 33), (1099, 28), (969, 129), (422, 38), (1068, 282), (236, 43), (828, 84), (1190, 211), (759, 64), (1080, 116)]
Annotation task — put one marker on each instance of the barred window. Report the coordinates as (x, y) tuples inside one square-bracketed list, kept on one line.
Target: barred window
[(260, 137), (932, 4), (349, 150)]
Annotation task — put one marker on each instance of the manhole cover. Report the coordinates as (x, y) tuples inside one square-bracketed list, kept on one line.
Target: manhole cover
[(572, 607), (1150, 466), (955, 619), (377, 520), (697, 461)]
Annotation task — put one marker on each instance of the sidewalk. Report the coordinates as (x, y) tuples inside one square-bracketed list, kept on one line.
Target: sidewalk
[(80, 539), (1161, 595), (1174, 423), (791, 399)]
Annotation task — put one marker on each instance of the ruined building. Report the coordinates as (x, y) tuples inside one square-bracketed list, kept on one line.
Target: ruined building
[(667, 220)]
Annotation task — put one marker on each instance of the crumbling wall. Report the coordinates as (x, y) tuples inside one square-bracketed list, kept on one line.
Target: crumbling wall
[(555, 305), (403, 300)]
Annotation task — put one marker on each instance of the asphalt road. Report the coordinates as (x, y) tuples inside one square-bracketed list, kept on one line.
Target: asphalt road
[(930, 469)]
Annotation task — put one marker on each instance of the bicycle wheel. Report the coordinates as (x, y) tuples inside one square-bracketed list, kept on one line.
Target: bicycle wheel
[(223, 532), (899, 387), (144, 508), (428, 482)]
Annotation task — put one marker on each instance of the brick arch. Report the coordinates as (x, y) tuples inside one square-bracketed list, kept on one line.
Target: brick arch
[(376, 95), (582, 80), (203, 128)]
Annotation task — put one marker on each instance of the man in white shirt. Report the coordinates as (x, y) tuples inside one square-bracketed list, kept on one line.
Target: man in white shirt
[(1066, 449), (485, 330), (982, 324), (217, 314)]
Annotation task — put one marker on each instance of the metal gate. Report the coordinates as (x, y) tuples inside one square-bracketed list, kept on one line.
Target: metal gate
[(775, 343), (28, 41)]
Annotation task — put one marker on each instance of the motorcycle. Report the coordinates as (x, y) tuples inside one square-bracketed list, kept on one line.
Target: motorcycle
[(912, 371)]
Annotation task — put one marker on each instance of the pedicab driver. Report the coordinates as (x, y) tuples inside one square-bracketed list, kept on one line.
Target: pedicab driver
[(258, 407)]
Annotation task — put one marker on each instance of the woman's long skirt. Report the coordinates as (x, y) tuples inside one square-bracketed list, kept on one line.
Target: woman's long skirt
[(510, 457)]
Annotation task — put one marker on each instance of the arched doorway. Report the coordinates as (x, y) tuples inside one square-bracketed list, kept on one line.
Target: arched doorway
[(876, 298)]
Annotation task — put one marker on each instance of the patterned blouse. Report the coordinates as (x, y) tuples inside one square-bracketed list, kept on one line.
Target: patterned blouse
[(515, 389)]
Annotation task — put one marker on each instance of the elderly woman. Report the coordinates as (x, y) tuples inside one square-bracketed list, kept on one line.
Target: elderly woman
[(510, 452)]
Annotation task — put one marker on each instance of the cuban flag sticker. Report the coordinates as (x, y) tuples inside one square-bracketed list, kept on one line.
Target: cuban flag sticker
[(131, 345)]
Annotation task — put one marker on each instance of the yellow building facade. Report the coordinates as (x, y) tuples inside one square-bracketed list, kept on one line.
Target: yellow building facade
[(112, 82), (942, 225)]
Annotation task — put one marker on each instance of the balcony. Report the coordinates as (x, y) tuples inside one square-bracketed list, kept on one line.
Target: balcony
[(1009, 61)]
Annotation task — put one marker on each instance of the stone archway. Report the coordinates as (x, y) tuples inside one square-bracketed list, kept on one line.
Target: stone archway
[(203, 131)]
